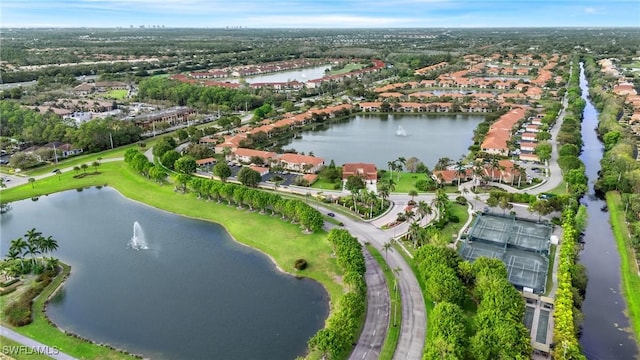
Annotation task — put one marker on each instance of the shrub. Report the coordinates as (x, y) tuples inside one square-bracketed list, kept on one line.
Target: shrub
[(454, 219), (461, 200), (301, 264)]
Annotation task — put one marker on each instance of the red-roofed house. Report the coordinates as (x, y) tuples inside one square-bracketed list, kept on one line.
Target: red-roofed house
[(301, 163), (245, 155), (368, 171), (205, 162)]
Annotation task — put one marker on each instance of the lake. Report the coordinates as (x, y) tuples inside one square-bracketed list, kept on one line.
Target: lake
[(302, 75), (379, 138), (194, 294)]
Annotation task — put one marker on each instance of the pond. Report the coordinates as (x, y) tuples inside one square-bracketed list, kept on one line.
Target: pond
[(379, 138), (193, 294), (301, 75)]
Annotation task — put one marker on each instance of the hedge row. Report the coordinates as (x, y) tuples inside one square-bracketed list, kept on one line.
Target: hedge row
[(337, 338)]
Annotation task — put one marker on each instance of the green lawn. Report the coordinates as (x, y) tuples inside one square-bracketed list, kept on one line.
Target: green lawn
[(634, 65), (395, 310), (324, 185), (17, 351), (628, 266), (453, 228), (346, 69), (282, 241), (116, 94), (88, 158)]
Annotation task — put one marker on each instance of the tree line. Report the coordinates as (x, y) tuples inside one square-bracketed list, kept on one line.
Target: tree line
[(496, 331), (341, 330)]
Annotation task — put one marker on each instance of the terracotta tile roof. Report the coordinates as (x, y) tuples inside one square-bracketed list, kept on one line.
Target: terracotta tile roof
[(369, 171), (251, 152), (301, 159)]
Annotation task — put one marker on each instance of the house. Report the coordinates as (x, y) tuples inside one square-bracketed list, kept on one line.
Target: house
[(528, 137), (260, 169), (624, 89), (495, 142), (368, 171), (245, 155), (448, 177), (84, 89), (528, 146), (301, 163), (64, 149), (205, 162), (533, 128)]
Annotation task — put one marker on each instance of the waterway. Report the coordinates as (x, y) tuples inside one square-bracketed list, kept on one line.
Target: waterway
[(302, 75), (605, 331), (379, 138), (194, 294)]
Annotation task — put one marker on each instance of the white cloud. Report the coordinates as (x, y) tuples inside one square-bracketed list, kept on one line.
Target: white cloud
[(590, 10)]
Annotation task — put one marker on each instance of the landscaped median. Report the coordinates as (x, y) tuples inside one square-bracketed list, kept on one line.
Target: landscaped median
[(630, 275), (283, 241)]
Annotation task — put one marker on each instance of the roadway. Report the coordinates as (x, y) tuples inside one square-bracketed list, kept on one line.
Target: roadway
[(30, 346)]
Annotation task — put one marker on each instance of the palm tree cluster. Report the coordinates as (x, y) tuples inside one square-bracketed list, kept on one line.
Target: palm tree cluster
[(35, 244)]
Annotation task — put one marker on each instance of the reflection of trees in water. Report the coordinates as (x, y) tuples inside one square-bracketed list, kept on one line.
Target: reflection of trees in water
[(59, 296), (5, 207)]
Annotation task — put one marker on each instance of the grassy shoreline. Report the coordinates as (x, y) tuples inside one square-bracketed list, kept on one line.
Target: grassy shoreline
[(240, 224), (629, 276)]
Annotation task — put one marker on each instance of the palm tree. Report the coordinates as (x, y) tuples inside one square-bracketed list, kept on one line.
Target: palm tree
[(396, 272), (52, 263), (414, 232), (32, 181), (34, 239), (494, 163), (424, 209), (18, 249), (400, 163), (84, 168), (58, 172), (95, 165), (388, 246), (413, 193), (2, 183), (460, 170), (48, 245), (76, 169), (383, 192), (392, 168)]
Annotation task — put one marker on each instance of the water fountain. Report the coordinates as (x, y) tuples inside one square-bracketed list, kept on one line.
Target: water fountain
[(401, 131), (138, 241)]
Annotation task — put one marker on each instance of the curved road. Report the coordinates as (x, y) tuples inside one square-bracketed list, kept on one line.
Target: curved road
[(414, 317), (377, 321)]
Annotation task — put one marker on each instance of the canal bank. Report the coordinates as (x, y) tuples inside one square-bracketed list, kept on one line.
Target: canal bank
[(605, 330)]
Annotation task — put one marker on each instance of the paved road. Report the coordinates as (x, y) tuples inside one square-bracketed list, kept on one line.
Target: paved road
[(414, 316), (31, 346), (377, 321)]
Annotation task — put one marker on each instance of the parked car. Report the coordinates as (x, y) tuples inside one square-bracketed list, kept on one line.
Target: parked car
[(331, 214)]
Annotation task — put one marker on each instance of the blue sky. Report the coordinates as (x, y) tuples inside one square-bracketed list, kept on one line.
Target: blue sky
[(319, 13)]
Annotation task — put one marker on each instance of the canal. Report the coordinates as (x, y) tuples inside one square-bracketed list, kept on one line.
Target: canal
[(606, 329)]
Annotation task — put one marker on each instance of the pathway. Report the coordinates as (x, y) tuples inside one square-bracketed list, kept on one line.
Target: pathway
[(30, 346)]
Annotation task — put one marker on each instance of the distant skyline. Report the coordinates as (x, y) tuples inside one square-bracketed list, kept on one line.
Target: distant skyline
[(320, 13)]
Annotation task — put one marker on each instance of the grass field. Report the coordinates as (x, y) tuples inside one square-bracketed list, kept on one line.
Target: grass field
[(87, 159), (395, 311), (628, 267), (282, 241), (347, 68), (116, 94), (17, 351), (324, 185)]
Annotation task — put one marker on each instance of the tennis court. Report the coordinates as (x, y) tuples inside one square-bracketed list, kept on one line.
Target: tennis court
[(523, 246)]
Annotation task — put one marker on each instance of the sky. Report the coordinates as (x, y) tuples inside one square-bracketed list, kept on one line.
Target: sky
[(320, 13)]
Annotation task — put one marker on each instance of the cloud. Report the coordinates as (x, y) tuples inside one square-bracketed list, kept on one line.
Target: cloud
[(590, 10)]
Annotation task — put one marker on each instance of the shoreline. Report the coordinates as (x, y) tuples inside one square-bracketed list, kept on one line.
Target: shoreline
[(326, 276)]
